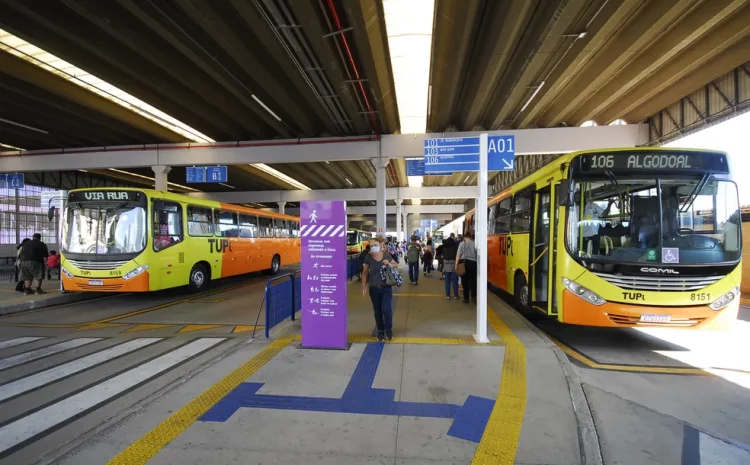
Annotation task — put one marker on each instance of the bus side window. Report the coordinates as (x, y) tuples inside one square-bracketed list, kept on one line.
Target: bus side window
[(280, 229), (502, 217), (295, 228), (226, 224), (200, 221), (167, 224), (520, 220), (265, 227), (491, 220), (248, 225)]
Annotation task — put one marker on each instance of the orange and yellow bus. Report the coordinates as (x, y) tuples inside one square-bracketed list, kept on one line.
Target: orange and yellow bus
[(357, 240), (621, 238), (138, 240)]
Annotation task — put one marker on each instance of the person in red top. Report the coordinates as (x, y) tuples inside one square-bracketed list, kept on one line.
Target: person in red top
[(53, 263)]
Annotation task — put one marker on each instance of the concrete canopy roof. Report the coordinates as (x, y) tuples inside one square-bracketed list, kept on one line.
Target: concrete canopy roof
[(323, 67)]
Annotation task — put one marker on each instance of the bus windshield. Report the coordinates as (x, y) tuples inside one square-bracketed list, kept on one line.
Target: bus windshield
[(654, 220), (352, 238), (104, 230)]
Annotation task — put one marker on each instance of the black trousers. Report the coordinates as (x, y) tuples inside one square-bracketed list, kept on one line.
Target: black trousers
[(469, 280)]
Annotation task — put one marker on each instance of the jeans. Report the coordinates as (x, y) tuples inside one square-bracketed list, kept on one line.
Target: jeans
[(382, 306), (451, 278), (414, 272), (470, 280)]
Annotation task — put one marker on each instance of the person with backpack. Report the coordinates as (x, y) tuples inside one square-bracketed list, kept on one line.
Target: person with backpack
[(413, 252), (450, 248), (428, 258), (20, 285)]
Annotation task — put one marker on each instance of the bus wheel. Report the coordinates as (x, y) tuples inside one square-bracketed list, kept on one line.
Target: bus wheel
[(198, 278), (275, 265), (521, 293)]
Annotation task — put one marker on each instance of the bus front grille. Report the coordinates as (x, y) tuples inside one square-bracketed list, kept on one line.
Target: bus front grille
[(96, 265), (659, 283), (106, 287), (632, 320)]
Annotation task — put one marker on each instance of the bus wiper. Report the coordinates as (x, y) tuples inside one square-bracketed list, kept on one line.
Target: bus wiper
[(694, 194)]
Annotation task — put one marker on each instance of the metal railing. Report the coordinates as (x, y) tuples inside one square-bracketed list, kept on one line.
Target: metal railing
[(353, 266), (8, 270), (283, 298)]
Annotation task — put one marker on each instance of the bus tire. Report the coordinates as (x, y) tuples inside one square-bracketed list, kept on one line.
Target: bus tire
[(275, 266), (521, 292), (199, 278)]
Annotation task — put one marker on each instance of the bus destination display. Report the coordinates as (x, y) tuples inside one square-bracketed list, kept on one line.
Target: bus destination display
[(653, 161)]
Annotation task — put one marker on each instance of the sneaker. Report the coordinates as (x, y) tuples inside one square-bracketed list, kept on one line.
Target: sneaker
[(28, 292), (39, 291), (455, 298), (389, 335), (447, 297), (381, 336), (416, 283)]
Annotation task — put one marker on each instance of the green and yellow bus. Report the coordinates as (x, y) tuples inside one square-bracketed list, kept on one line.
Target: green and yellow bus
[(139, 240), (357, 240), (621, 238)]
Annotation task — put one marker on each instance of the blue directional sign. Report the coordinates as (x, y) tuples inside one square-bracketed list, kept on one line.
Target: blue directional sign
[(3, 181), (195, 174), (415, 167), (216, 174), (16, 181), (462, 154)]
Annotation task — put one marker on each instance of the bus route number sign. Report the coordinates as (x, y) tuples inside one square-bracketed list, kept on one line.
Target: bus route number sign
[(591, 163)]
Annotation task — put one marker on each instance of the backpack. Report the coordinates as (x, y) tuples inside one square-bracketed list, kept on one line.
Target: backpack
[(412, 253)]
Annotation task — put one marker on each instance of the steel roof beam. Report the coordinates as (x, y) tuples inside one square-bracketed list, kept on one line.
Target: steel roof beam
[(528, 141), (368, 194)]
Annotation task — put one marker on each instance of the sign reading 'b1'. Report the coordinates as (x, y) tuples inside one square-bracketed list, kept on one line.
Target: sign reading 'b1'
[(323, 234)]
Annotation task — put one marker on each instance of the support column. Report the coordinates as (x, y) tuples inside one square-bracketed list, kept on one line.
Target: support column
[(406, 227), (160, 176), (380, 166), (281, 207), (399, 213)]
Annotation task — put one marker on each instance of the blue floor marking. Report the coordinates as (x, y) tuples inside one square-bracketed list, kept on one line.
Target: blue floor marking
[(469, 419), (691, 446)]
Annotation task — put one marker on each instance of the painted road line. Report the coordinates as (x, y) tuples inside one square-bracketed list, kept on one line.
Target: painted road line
[(24, 429), (500, 439), (43, 378), (170, 304), (45, 352), (630, 368), (17, 341), (440, 341), (142, 450)]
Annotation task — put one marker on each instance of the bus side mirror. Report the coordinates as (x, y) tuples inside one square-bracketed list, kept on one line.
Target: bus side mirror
[(51, 213), (564, 193)]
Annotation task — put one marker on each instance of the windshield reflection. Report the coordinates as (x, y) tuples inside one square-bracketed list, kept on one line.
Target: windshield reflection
[(98, 230)]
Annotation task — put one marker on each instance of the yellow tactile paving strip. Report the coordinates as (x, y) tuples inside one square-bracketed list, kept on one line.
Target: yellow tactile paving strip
[(500, 439), (155, 440), (498, 444)]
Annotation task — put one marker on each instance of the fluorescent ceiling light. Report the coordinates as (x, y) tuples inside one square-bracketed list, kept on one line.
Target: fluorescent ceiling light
[(278, 174), (12, 147), (350, 183), (84, 171), (31, 128), (266, 107), (619, 122), (467, 178), (589, 123), (409, 27), (45, 60), (152, 179), (227, 185), (416, 201), (536, 91), (415, 181)]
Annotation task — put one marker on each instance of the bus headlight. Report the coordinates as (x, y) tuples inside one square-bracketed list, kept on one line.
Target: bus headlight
[(725, 300), (582, 292), (66, 272), (135, 272)]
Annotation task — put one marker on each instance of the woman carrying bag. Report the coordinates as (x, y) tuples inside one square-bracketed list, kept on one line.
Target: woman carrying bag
[(379, 275), (467, 267)]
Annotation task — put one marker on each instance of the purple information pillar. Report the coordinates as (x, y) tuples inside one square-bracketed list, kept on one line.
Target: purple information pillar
[(323, 235)]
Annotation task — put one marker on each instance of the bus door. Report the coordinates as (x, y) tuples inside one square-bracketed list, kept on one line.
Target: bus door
[(540, 251)]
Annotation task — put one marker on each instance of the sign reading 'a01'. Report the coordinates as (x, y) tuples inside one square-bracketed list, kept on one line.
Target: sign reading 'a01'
[(462, 154)]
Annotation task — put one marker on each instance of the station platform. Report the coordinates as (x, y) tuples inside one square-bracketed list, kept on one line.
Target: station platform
[(12, 301), (168, 378)]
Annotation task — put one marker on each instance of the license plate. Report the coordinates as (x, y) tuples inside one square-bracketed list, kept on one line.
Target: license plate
[(96, 282), (656, 318)]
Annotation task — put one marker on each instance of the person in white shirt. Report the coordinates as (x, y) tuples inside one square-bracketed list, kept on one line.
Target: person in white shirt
[(591, 214)]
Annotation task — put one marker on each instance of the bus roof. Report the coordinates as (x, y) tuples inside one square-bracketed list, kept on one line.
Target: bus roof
[(152, 193)]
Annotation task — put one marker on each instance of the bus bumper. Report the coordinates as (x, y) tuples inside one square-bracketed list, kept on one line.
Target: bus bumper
[(139, 283), (576, 311)]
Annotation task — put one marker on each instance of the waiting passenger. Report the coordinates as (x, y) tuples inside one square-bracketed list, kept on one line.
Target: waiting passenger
[(381, 293)]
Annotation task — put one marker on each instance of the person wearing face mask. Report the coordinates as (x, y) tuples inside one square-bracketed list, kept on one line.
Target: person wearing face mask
[(381, 294)]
